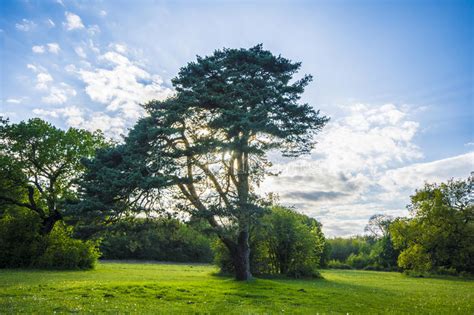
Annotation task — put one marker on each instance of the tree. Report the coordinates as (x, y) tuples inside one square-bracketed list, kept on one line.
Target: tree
[(39, 164), (440, 233), (378, 225), (203, 151)]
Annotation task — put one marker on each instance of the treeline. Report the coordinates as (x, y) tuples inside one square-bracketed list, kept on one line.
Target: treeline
[(437, 237)]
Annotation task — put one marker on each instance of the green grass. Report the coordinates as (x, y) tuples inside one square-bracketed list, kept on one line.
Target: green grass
[(174, 288)]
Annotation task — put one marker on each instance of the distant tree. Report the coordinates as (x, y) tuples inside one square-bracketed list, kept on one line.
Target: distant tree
[(203, 151), (440, 233), (378, 225), (39, 164)]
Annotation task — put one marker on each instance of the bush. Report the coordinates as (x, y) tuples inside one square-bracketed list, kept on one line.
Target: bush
[(21, 244), (162, 239), (336, 264), (358, 261), (64, 252), (415, 258), (285, 243)]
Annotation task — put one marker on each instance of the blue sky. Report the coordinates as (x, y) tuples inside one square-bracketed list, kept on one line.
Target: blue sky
[(396, 78)]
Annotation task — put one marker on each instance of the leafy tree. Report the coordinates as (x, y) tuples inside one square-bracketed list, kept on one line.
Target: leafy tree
[(203, 151), (378, 225), (440, 232), (39, 164), (283, 242)]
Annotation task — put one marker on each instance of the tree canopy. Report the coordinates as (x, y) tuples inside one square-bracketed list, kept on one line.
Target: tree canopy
[(39, 164), (203, 151)]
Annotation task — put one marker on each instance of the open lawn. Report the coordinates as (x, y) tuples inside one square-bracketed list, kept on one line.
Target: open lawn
[(169, 288)]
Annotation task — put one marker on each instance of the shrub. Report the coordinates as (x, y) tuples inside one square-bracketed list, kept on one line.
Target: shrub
[(285, 243), (64, 252), (21, 244), (336, 264), (415, 258), (358, 261), (162, 239)]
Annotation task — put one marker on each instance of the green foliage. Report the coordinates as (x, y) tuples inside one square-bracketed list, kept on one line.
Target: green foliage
[(22, 244), (440, 234), (337, 264), (162, 239), (64, 252), (39, 164), (285, 242), (205, 149), (415, 258)]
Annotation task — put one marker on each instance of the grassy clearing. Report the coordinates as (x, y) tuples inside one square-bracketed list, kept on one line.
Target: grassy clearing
[(170, 288)]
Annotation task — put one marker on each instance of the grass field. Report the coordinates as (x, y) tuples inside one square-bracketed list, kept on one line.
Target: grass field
[(173, 288)]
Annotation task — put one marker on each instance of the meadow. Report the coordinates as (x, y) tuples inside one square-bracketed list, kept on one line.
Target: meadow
[(118, 287)]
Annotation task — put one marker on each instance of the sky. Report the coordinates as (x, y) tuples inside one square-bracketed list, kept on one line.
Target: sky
[(396, 78)]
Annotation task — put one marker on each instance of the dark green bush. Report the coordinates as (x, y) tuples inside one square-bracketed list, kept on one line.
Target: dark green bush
[(64, 252), (336, 264), (162, 239), (21, 244)]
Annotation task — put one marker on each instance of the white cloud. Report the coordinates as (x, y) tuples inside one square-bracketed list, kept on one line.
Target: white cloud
[(120, 48), (59, 94), (362, 165), (80, 52), (25, 25), (14, 100), (32, 67), (42, 80), (38, 49), (124, 86), (113, 127), (93, 30), (73, 21), (398, 182), (53, 48), (70, 68)]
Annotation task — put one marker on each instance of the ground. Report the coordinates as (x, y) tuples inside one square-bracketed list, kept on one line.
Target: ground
[(182, 288)]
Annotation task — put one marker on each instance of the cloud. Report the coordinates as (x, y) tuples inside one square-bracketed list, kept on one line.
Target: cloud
[(93, 30), (25, 25), (38, 49), (122, 85), (73, 21), (315, 195), (103, 13), (80, 52), (42, 80), (402, 181), (364, 163), (50, 23), (14, 100), (53, 48), (59, 94), (75, 117)]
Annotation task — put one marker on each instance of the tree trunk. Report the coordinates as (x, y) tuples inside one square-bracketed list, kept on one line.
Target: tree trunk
[(241, 257), (49, 222)]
